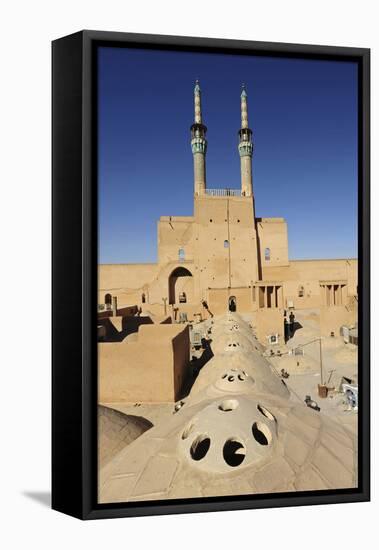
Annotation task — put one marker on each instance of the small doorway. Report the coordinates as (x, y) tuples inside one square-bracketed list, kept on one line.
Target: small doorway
[(108, 301), (232, 303)]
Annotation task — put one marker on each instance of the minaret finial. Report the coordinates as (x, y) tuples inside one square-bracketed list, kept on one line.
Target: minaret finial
[(244, 119), (197, 98), (198, 143), (245, 148)]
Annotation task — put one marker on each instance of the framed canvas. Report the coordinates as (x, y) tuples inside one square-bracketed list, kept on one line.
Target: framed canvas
[(210, 273)]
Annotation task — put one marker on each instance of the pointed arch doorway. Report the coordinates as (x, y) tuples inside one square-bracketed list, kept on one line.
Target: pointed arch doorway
[(180, 282)]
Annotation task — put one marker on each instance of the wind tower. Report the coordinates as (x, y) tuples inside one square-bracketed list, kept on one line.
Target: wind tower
[(198, 144), (245, 148)]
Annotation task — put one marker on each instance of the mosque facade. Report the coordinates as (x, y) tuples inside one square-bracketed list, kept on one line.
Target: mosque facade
[(224, 258)]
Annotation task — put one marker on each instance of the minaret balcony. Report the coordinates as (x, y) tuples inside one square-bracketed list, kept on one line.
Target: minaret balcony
[(245, 134), (198, 130)]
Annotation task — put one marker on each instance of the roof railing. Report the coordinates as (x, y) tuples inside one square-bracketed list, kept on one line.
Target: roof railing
[(223, 192)]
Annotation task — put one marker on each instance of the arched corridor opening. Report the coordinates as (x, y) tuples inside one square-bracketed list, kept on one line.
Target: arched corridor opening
[(180, 283), (232, 303)]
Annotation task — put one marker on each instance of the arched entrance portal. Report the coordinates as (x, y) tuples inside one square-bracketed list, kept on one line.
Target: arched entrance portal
[(232, 303), (180, 283)]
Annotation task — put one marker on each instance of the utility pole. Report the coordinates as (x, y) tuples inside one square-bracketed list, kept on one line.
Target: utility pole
[(321, 371), (322, 389), (114, 306)]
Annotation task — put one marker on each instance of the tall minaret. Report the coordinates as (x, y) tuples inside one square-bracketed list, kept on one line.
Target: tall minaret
[(198, 144), (245, 148)]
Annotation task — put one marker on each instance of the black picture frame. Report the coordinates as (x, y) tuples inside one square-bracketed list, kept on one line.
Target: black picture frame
[(74, 272)]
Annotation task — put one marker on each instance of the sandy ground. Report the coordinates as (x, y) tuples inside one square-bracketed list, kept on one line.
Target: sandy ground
[(338, 359)]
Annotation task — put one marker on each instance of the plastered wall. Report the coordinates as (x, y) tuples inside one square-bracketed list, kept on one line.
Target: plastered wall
[(221, 250), (225, 242), (175, 233), (273, 242), (152, 368), (267, 322)]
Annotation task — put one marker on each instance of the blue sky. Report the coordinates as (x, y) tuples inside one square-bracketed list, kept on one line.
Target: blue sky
[(304, 119)]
